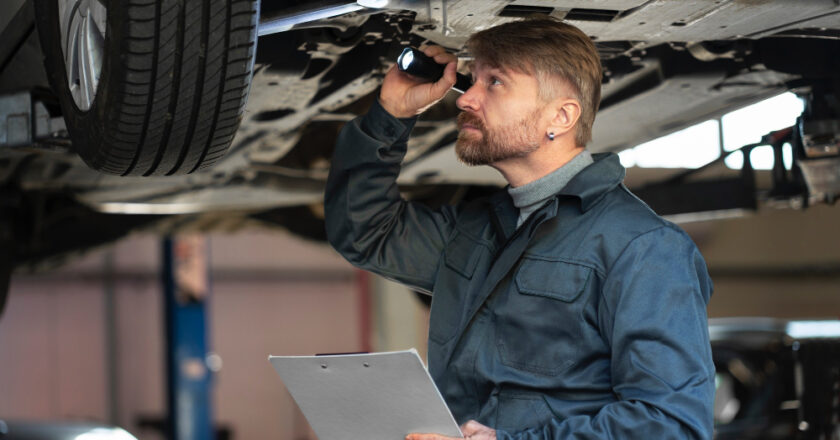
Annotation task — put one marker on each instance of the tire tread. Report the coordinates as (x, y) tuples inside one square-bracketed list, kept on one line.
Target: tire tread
[(178, 87)]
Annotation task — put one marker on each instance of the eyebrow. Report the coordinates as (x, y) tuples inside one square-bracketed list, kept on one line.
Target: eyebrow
[(499, 71), (494, 71)]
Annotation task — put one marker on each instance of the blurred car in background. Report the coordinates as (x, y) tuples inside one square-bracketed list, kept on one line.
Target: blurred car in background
[(30, 430), (776, 379)]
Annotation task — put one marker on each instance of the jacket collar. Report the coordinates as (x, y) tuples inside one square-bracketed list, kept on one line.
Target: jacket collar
[(504, 214), (595, 181), (588, 186)]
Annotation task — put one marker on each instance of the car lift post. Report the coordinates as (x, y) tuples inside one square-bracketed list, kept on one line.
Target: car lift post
[(186, 293)]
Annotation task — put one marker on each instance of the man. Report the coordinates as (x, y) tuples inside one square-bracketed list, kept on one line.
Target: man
[(562, 307)]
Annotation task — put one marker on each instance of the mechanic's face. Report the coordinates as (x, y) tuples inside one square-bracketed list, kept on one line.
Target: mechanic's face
[(500, 117)]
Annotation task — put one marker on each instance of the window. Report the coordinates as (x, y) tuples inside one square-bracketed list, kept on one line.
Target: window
[(747, 125), (700, 144), (691, 147)]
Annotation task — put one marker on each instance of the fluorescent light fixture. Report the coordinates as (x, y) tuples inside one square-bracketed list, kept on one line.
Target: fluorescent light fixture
[(106, 434), (284, 23), (702, 216), (377, 4), (813, 329)]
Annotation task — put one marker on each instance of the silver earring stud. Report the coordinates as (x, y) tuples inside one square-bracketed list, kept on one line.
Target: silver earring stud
[(551, 135)]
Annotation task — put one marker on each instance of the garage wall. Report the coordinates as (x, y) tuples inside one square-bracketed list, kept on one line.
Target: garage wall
[(271, 294), (780, 263), (42, 335), (401, 321), (53, 350)]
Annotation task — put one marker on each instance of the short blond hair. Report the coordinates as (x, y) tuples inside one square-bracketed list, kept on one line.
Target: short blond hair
[(549, 49)]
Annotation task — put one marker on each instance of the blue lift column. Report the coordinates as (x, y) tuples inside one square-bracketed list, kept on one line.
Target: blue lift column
[(186, 293)]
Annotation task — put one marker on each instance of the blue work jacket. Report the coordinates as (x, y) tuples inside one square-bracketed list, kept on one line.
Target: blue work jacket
[(588, 321)]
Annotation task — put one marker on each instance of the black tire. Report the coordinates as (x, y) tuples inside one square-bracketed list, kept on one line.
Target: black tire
[(174, 81)]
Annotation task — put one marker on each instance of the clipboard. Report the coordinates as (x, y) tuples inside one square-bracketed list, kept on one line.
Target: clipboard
[(375, 396)]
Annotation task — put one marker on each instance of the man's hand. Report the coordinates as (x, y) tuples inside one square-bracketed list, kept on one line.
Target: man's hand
[(405, 96), (472, 430)]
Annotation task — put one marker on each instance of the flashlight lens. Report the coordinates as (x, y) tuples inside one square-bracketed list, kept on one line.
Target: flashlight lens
[(406, 59)]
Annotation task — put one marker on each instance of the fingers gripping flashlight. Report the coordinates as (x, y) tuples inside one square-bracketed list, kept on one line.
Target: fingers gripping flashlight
[(418, 64)]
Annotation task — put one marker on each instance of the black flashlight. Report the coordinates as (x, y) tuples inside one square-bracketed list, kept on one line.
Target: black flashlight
[(418, 64)]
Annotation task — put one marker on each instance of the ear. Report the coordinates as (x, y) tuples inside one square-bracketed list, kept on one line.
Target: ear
[(566, 112)]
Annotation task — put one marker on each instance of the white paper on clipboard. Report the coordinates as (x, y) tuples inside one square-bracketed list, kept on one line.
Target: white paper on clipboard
[(376, 396)]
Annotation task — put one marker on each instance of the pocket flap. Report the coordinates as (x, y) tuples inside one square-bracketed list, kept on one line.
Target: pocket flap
[(461, 255), (552, 279)]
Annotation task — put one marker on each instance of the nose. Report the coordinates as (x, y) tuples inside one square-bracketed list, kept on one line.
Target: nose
[(470, 100)]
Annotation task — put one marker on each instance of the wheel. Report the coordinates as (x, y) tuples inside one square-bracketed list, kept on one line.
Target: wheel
[(149, 87)]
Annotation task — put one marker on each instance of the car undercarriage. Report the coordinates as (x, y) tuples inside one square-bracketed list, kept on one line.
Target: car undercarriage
[(667, 64)]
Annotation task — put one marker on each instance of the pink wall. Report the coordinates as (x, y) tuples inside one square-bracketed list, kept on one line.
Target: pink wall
[(272, 294), (51, 352)]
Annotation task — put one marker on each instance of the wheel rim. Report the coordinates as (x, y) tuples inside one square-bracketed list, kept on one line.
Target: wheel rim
[(82, 24)]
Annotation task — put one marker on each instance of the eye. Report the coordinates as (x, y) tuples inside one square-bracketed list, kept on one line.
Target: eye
[(495, 81)]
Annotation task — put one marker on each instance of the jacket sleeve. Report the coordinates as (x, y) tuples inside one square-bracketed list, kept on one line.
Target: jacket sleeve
[(367, 220), (653, 314)]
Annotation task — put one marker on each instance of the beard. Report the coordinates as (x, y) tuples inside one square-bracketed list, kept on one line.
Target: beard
[(516, 139)]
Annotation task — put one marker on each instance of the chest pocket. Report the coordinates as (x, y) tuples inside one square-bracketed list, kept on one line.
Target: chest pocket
[(461, 255), (540, 325), (460, 259)]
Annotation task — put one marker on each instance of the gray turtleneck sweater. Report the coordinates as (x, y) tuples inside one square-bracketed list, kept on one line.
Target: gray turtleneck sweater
[(531, 196)]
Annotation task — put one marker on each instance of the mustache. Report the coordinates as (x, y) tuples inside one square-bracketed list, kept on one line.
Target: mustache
[(465, 118)]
